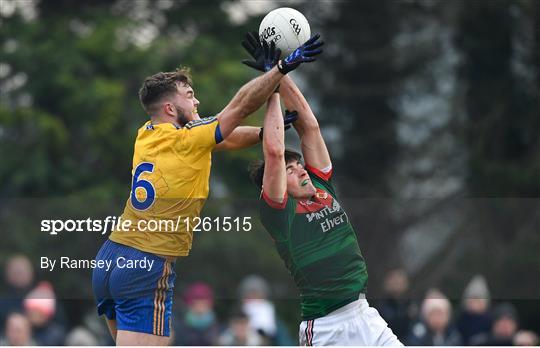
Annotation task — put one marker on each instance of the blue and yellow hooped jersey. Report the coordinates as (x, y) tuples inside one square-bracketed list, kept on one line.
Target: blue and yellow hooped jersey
[(170, 182)]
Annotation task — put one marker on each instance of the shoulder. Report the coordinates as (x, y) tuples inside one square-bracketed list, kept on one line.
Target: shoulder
[(270, 203), (324, 174), (201, 122), (152, 130), (273, 212)]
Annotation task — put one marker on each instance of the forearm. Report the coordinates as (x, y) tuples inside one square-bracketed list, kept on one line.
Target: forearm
[(247, 100), (241, 137), (312, 143), (253, 94), (294, 100), (274, 179), (274, 132)]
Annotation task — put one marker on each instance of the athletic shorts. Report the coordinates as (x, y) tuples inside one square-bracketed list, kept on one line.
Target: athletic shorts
[(355, 324), (135, 288)]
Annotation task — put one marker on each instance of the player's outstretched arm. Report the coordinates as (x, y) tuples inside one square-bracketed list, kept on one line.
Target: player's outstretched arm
[(247, 100), (313, 145), (241, 137), (252, 95), (275, 177)]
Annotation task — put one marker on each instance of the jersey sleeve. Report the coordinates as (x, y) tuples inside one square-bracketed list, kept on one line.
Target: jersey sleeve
[(201, 135), (277, 217), (322, 177)]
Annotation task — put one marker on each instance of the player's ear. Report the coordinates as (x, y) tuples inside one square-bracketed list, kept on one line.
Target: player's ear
[(168, 108)]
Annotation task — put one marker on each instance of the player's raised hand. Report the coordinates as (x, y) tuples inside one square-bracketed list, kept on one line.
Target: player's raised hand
[(252, 45), (288, 119), (265, 55), (303, 54)]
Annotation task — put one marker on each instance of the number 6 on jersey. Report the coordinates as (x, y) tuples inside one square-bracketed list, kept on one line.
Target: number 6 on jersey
[(144, 185)]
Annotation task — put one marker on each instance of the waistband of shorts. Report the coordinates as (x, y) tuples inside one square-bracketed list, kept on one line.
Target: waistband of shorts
[(152, 256), (344, 313)]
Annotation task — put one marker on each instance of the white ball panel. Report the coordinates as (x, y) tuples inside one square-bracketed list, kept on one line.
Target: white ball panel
[(287, 27)]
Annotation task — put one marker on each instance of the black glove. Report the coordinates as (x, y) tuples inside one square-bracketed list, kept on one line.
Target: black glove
[(303, 54), (254, 47), (265, 56), (288, 118)]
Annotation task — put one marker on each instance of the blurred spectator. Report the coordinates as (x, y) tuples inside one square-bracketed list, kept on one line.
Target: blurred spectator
[(475, 317), (18, 331), (395, 308), (525, 338), (435, 328), (19, 277), (81, 336), (97, 327), (239, 332), (19, 274), (505, 326), (255, 293), (198, 325), (40, 306)]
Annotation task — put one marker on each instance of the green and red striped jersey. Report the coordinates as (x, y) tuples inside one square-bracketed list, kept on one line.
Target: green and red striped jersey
[(318, 246)]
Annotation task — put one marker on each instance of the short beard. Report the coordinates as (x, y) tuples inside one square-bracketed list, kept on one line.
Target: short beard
[(181, 118)]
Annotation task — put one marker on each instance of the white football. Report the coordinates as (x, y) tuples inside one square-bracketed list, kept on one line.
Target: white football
[(287, 27)]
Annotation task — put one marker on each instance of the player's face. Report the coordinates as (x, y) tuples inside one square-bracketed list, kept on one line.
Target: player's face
[(299, 184), (186, 105)]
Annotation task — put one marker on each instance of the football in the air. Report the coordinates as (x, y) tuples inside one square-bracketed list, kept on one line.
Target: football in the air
[(287, 27)]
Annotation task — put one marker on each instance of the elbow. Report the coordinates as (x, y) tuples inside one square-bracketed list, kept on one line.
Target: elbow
[(308, 128), (272, 151), (312, 126)]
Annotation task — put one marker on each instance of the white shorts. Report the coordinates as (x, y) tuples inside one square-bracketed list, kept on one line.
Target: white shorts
[(356, 324)]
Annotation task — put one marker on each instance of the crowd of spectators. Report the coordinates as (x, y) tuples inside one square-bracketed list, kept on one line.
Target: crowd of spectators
[(30, 314), (434, 322)]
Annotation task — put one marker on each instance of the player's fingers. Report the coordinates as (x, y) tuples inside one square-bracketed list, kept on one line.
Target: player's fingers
[(290, 120), (251, 64), (309, 59), (272, 49), (248, 47), (312, 39), (290, 117), (315, 45), (278, 54), (312, 53), (253, 39)]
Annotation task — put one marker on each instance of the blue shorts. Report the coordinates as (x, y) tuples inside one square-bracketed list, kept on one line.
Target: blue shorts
[(135, 288)]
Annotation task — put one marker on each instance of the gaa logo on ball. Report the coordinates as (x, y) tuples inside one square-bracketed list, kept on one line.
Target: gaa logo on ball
[(286, 27)]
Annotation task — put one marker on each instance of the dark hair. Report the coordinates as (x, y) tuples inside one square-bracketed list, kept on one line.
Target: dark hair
[(162, 84), (256, 168)]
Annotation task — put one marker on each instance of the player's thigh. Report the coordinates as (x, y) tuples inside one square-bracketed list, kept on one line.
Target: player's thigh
[(143, 297), (131, 338), (382, 333), (111, 324)]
